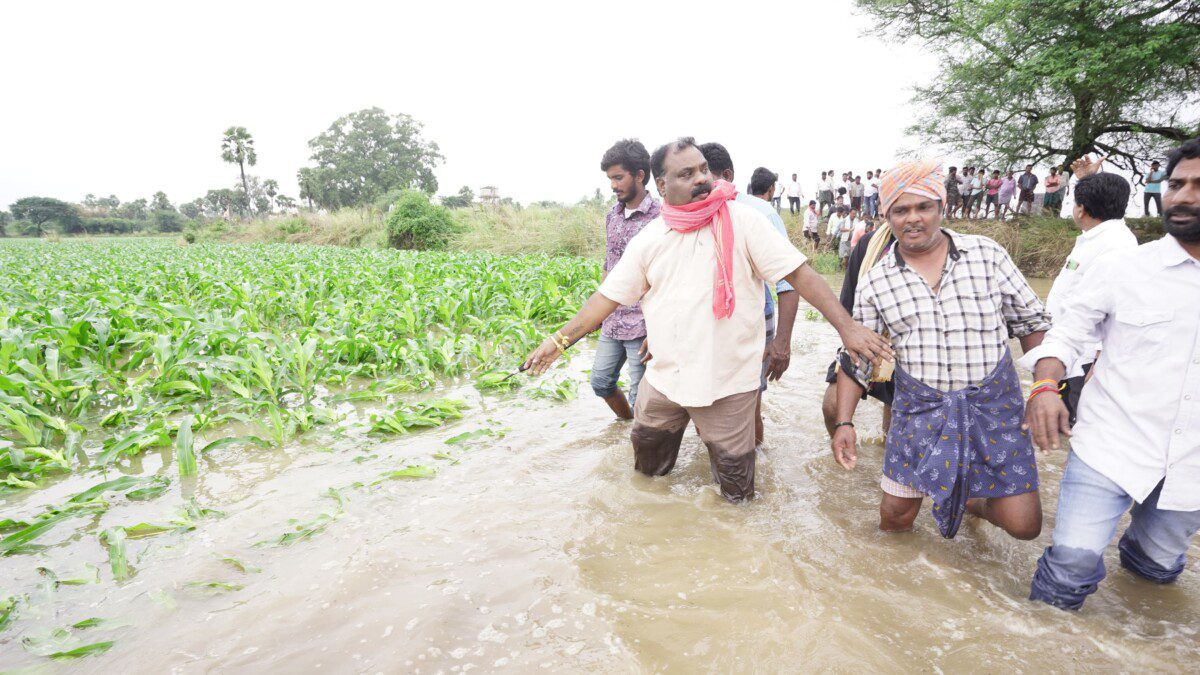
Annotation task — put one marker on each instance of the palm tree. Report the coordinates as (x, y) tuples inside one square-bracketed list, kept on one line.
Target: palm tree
[(237, 147)]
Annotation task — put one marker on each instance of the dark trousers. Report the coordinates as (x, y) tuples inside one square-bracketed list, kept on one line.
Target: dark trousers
[(794, 205), (1146, 197)]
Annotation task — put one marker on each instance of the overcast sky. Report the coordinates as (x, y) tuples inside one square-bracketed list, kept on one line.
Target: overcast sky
[(129, 98)]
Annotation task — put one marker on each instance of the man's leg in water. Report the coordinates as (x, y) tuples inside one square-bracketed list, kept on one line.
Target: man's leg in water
[(606, 370), (1020, 515), (897, 513), (727, 429), (657, 431)]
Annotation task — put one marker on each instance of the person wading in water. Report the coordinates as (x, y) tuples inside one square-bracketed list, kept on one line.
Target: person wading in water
[(1136, 445), (699, 271), (777, 352), (627, 165), (950, 302)]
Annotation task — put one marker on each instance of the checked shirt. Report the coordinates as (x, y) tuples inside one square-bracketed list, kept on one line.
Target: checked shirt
[(954, 339)]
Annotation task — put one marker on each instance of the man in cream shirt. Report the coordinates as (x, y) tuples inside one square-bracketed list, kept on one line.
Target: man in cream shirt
[(1099, 212), (704, 317)]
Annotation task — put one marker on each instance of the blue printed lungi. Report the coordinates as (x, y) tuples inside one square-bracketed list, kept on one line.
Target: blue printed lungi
[(959, 445)]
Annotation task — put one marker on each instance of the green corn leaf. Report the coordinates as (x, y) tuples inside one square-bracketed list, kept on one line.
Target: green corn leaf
[(122, 484), (114, 539), (219, 586), (468, 436), (80, 652), (411, 471), (8, 611), (239, 565), (185, 449), (22, 537)]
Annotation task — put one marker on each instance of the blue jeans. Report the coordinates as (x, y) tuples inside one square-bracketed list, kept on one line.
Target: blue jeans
[(762, 374), (1089, 508), (872, 205), (611, 354)]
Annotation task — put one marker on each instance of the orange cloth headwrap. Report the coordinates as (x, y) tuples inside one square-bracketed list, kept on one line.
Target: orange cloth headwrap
[(922, 177)]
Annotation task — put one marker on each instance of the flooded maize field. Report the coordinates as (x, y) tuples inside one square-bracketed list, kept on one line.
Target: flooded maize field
[(460, 525)]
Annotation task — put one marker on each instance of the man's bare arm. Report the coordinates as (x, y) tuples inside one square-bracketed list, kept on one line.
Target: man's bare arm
[(1032, 340), (779, 353), (593, 313), (845, 440), (860, 341)]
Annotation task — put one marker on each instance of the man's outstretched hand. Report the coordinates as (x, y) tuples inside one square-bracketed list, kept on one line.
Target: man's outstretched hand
[(541, 358)]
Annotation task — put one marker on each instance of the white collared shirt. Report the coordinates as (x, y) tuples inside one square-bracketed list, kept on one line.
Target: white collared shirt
[(811, 220), (1108, 237), (835, 225), (1139, 416), (794, 190)]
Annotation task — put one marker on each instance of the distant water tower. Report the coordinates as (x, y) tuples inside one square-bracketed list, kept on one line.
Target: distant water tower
[(490, 195)]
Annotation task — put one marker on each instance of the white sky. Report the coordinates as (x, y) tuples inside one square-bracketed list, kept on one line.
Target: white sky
[(132, 97)]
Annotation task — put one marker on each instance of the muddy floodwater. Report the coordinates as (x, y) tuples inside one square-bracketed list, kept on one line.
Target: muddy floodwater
[(544, 551)]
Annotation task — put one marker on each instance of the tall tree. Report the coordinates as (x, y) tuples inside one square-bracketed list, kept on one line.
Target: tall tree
[(464, 198), (193, 209), (134, 210), (218, 203), (42, 210), (1052, 80), (237, 147), (5, 219), (159, 202), (365, 155)]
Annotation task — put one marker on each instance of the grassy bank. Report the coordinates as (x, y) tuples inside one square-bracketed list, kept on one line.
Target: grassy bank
[(1038, 245)]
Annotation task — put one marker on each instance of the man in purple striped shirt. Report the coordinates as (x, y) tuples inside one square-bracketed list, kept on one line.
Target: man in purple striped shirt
[(627, 165)]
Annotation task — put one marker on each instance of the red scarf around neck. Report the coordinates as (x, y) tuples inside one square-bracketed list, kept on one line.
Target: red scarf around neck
[(712, 210)]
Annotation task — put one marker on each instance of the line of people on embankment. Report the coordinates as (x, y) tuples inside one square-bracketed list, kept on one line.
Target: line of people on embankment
[(972, 193), (925, 318)]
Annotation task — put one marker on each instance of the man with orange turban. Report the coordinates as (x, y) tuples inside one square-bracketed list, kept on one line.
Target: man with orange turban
[(949, 301)]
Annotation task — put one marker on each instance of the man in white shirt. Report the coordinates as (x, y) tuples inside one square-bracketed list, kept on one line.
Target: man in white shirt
[(698, 271), (1099, 212), (794, 195), (833, 230), (871, 195), (845, 232), (1136, 446), (812, 223), (825, 191)]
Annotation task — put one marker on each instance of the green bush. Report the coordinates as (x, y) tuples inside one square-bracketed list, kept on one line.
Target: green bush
[(115, 225), (168, 221), (292, 225), (415, 223), (189, 237)]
